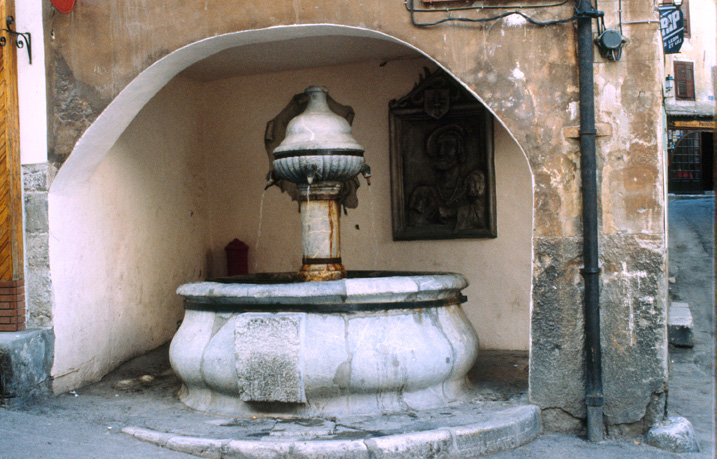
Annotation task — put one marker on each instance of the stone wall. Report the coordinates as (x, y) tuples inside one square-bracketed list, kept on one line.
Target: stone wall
[(38, 289), (95, 52)]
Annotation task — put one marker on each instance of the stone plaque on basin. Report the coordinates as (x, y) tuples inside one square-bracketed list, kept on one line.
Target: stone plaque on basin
[(269, 357)]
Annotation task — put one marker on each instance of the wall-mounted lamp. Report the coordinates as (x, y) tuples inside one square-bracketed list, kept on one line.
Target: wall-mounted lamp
[(669, 85), (677, 3)]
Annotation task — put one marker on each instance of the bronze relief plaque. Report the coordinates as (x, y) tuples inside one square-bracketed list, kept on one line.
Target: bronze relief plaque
[(442, 174)]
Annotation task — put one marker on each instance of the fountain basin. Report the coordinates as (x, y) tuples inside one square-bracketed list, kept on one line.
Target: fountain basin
[(371, 343)]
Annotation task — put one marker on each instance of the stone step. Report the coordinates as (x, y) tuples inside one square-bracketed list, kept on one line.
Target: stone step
[(25, 363), (464, 430), (680, 325)]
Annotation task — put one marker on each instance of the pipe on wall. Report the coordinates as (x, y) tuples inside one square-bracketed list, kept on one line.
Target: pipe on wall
[(591, 270)]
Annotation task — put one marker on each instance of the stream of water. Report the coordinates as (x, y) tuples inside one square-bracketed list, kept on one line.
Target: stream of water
[(258, 232), (373, 229)]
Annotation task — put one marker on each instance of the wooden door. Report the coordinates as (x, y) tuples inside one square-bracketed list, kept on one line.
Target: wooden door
[(12, 298)]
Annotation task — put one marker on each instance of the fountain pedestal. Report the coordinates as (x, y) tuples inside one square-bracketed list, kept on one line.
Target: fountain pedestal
[(320, 232)]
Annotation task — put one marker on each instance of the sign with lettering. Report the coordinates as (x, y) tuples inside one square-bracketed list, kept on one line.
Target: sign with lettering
[(672, 26)]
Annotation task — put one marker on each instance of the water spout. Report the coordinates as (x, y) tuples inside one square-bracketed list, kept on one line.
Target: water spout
[(311, 173), (366, 172), (271, 180)]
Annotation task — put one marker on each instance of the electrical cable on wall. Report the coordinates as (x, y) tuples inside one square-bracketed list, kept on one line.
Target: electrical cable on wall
[(450, 18), (609, 41)]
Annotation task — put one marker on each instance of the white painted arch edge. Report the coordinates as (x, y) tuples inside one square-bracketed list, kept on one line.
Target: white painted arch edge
[(99, 138)]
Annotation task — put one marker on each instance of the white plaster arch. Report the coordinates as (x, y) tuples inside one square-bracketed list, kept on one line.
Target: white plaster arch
[(96, 141)]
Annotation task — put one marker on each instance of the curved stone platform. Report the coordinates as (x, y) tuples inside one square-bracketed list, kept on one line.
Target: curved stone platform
[(461, 430)]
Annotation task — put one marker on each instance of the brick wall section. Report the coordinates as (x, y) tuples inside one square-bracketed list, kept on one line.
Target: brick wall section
[(12, 306)]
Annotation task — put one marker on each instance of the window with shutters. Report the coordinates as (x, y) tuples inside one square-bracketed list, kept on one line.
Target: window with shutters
[(684, 80)]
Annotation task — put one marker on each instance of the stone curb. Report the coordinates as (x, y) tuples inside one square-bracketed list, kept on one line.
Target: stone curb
[(680, 325), (674, 434), (681, 197), (25, 364), (509, 429)]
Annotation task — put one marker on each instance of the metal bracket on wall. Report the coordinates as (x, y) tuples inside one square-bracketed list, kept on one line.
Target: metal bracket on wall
[(22, 39)]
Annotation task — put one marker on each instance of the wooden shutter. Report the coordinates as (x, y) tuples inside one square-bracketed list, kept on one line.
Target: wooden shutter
[(684, 80)]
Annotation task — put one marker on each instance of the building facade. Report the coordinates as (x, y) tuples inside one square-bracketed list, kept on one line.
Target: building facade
[(153, 160), (690, 103)]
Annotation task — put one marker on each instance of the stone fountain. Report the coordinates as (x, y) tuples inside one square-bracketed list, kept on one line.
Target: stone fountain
[(323, 341)]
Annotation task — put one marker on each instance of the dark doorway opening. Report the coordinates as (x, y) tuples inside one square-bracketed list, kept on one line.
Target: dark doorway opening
[(690, 161)]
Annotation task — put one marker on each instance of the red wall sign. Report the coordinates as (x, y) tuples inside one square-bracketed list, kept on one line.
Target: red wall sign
[(63, 6)]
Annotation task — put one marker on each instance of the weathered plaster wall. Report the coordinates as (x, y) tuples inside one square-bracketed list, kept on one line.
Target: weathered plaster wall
[(699, 49), (102, 46), (633, 243), (235, 114), (141, 216), (31, 84), (633, 252)]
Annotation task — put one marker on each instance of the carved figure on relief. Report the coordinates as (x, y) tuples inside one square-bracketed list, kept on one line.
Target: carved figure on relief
[(454, 197)]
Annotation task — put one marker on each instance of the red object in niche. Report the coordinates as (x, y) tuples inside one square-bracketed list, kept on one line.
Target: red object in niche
[(237, 258), (63, 6)]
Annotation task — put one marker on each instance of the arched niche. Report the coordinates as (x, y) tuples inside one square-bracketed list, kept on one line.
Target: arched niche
[(174, 169)]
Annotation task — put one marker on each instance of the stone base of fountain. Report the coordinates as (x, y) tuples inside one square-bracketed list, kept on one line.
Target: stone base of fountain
[(369, 344), (461, 430), (333, 363)]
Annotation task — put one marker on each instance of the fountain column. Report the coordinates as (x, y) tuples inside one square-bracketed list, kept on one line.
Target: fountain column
[(318, 154), (320, 232)]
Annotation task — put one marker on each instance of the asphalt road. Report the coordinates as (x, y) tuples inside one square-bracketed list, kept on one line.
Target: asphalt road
[(692, 262)]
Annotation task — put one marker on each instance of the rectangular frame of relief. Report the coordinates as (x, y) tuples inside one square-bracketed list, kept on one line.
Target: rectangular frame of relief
[(430, 198)]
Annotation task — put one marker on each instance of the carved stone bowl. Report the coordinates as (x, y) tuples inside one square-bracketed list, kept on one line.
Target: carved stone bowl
[(366, 344), (318, 145), (332, 166)]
